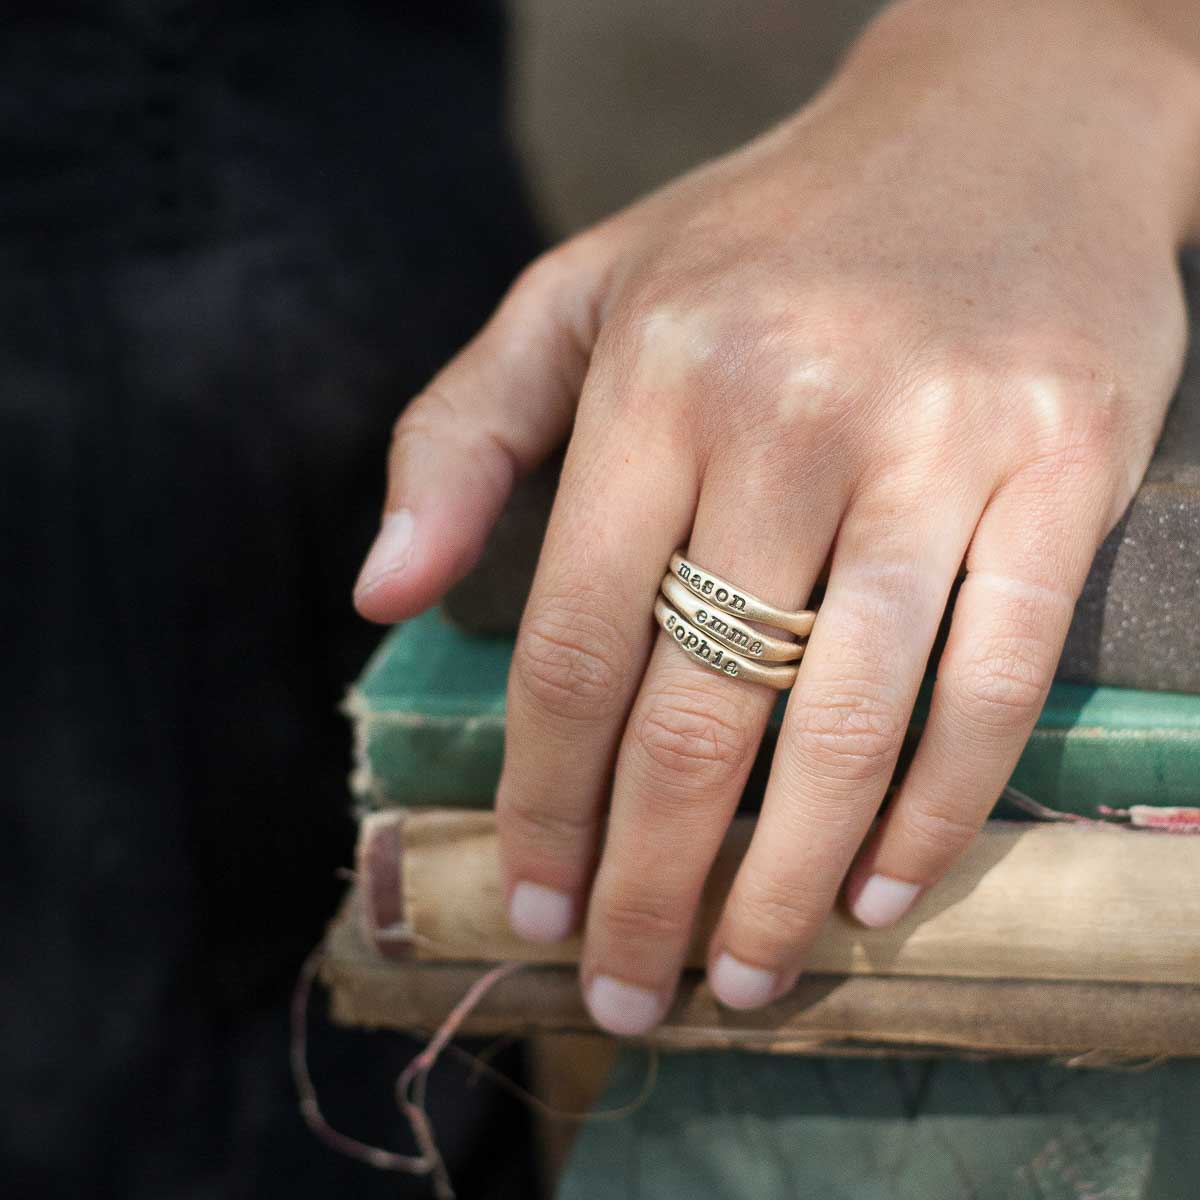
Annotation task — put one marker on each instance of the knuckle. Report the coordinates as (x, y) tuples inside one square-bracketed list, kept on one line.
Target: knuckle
[(692, 736), (1001, 689), (639, 916), (937, 832), (822, 817), (759, 346), (568, 657), (823, 389), (533, 823), (677, 339), (816, 396), (852, 733), (1075, 416), (546, 275), (436, 416), (563, 286), (1070, 450), (432, 410), (779, 914), (669, 347)]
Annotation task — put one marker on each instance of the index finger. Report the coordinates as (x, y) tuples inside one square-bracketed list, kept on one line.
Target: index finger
[(581, 651)]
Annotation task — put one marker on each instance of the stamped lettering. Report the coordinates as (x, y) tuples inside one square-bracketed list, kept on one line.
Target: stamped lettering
[(691, 638), (720, 628), (704, 586)]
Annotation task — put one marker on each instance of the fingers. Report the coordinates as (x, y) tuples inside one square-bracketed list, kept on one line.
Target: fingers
[(689, 745), (842, 731), (582, 647), (1027, 564), (496, 411)]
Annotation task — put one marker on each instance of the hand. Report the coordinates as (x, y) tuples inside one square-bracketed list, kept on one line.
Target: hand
[(932, 320)]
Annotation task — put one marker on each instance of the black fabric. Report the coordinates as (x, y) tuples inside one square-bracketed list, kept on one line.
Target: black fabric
[(234, 239)]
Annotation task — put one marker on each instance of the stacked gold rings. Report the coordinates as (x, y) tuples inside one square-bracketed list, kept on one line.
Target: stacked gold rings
[(707, 616)]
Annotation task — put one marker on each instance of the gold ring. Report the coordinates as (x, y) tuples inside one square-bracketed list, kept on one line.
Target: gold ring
[(722, 594), (694, 643), (725, 628)]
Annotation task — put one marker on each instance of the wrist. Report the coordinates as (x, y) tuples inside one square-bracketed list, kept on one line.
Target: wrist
[(1125, 73)]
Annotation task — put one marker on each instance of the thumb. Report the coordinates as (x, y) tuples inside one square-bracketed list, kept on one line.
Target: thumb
[(492, 414)]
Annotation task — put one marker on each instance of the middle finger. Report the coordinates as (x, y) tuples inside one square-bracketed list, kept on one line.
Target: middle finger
[(889, 582)]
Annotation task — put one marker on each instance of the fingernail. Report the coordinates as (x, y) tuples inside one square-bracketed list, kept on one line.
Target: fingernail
[(389, 552), (540, 914), (884, 900), (738, 985), (621, 1007)]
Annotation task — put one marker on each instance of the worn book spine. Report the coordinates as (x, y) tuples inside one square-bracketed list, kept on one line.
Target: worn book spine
[(428, 715), (1092, 1023), (1032, 901), (403, 952)]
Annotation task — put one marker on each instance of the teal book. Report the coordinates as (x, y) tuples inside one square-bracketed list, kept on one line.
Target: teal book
[(428, 715)]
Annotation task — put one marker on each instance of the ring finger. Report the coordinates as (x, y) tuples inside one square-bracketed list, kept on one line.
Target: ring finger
[(684, 757)]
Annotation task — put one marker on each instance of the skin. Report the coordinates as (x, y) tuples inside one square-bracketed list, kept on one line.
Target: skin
[(930, 324)]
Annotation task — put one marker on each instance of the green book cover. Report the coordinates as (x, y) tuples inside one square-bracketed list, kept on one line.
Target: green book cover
[(428, 714)]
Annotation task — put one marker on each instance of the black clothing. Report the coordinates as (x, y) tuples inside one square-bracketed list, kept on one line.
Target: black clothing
[(234, 238)]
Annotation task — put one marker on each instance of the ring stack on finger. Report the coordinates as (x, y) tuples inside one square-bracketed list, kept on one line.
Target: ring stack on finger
[(708, 618)]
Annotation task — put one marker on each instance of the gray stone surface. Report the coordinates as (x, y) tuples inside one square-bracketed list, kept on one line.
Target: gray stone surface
[(1137, 623)]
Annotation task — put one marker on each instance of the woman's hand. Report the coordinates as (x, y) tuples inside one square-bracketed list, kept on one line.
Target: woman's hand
[(934, 319)]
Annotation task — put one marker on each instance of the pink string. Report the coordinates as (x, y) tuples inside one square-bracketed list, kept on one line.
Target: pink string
[(410, 1087)]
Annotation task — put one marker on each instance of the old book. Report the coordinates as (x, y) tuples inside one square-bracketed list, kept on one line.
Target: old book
[(1027, 900), (825, 1014), (1137, 623), (1050, 940), (428, 715)]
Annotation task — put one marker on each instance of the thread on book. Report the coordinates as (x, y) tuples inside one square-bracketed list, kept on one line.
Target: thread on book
[(412, 1083), (1141, 816), (427, 1162), (1043, 812), (589, 1116), (1171, 819), (1110, 1060), (410, 1086)]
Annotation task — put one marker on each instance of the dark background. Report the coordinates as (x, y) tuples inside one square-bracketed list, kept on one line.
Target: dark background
[(234, 239)]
